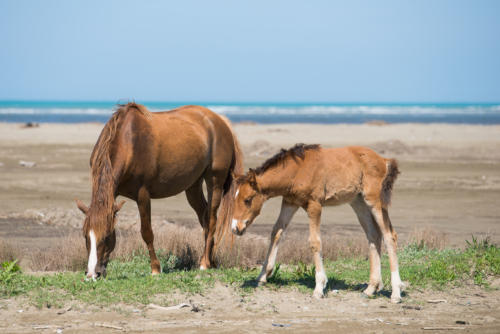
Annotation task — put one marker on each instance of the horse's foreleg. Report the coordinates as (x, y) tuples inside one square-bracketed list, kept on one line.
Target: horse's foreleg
[(314, 213), (374, 243), (144, 205), (381, 217), (286, 214)]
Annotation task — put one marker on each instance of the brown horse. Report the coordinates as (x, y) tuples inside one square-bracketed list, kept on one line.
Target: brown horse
[(143, 155), (311, 177)]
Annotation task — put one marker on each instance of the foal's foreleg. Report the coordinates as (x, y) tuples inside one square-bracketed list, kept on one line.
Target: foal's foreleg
[(286, 214), (314, 213), (144, 205)]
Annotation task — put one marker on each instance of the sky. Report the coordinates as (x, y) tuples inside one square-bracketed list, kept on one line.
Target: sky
[(251, 51)]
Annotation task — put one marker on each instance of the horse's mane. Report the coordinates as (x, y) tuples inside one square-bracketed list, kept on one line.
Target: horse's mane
[(297, 151), (101, 207)]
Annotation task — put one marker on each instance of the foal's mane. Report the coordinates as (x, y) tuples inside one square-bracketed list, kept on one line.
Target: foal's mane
[(297, 151), (103, 182)]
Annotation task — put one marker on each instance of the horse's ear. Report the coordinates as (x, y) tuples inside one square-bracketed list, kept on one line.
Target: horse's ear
[(117, 207), (81, 206)]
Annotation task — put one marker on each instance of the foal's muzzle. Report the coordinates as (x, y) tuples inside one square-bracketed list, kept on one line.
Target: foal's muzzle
[(238, 227)]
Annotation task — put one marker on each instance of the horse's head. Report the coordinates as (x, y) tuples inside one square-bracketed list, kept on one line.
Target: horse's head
[(100, 237), (248, 202)]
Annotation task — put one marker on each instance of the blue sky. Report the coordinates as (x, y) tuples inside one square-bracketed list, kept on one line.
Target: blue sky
[(289, 51)]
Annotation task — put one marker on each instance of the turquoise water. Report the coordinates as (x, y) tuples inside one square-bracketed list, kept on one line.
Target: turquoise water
[(100, 111)]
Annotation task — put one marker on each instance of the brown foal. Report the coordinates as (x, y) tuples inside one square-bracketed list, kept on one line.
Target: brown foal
[(311, 177), (142, 155)]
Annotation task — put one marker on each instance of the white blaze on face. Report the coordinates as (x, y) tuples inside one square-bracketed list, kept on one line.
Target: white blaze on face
[(237, 192), (92, 255)]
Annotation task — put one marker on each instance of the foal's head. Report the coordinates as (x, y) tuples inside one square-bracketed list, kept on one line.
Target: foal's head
[(100, 237), (248, 202)]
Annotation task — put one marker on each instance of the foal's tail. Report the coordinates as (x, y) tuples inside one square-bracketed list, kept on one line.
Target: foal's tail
[(390, 177), (227, 204)]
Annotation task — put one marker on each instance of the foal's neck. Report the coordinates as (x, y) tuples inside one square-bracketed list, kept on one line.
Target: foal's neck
[(276, 181)]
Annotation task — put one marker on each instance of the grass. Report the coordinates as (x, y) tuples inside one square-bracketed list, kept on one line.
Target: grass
[(129, 280)]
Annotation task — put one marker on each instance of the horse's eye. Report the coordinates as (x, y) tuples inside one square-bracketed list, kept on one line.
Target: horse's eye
[(248, 201)]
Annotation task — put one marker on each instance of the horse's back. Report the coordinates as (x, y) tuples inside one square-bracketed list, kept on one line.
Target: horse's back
[(172, 149)]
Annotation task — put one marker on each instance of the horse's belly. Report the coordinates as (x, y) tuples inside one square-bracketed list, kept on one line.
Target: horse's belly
[(174, 180)]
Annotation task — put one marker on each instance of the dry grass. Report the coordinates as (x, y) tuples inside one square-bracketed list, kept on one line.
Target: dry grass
[(69, 255), (295, 248), (187, 245), (428, 238), (8, 252)]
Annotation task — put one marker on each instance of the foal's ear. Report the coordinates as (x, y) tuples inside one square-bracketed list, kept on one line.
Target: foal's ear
[(81, 206), (252, 179), (117, 207)]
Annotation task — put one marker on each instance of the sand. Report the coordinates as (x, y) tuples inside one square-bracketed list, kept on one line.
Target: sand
[(450, 183), (450, 179)]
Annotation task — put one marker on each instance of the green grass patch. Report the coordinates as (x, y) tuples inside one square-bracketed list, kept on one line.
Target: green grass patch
[(129, 281)]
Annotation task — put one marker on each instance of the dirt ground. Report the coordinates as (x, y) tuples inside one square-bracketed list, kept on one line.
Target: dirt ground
[(224, 310), (450, 183)]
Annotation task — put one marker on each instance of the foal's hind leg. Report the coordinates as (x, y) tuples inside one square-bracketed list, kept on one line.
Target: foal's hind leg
[(197, 201), (144, 205), (381, 216), (286, 214), (374, 243)]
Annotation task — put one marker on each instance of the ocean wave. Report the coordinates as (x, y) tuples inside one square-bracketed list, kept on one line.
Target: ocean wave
[(355, 110)]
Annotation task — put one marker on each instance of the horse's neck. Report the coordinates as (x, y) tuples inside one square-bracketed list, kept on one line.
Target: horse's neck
[(276, 181), (103, 192)]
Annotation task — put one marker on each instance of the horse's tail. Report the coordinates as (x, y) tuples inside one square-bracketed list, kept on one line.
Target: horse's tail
[(227, 204), (390, 177)]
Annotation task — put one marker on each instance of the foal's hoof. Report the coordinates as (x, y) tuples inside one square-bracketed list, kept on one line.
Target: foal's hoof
[(261, 283), (318, 294), (396, 300)]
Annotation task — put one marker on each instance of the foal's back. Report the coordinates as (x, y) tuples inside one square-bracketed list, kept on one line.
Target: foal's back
[(343, 173)]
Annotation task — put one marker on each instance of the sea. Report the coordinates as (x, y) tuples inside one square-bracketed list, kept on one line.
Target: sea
[(265, 113)]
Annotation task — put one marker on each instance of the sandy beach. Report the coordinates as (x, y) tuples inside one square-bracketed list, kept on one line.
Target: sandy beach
[(450, 181)]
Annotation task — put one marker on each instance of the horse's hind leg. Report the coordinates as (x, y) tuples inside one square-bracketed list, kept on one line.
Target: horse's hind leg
[(215, 181), (374, 243), (286, 214), (197, 201), (144, 205)]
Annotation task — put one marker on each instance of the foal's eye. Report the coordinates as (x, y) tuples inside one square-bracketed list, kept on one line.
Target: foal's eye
[(248, 201)]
